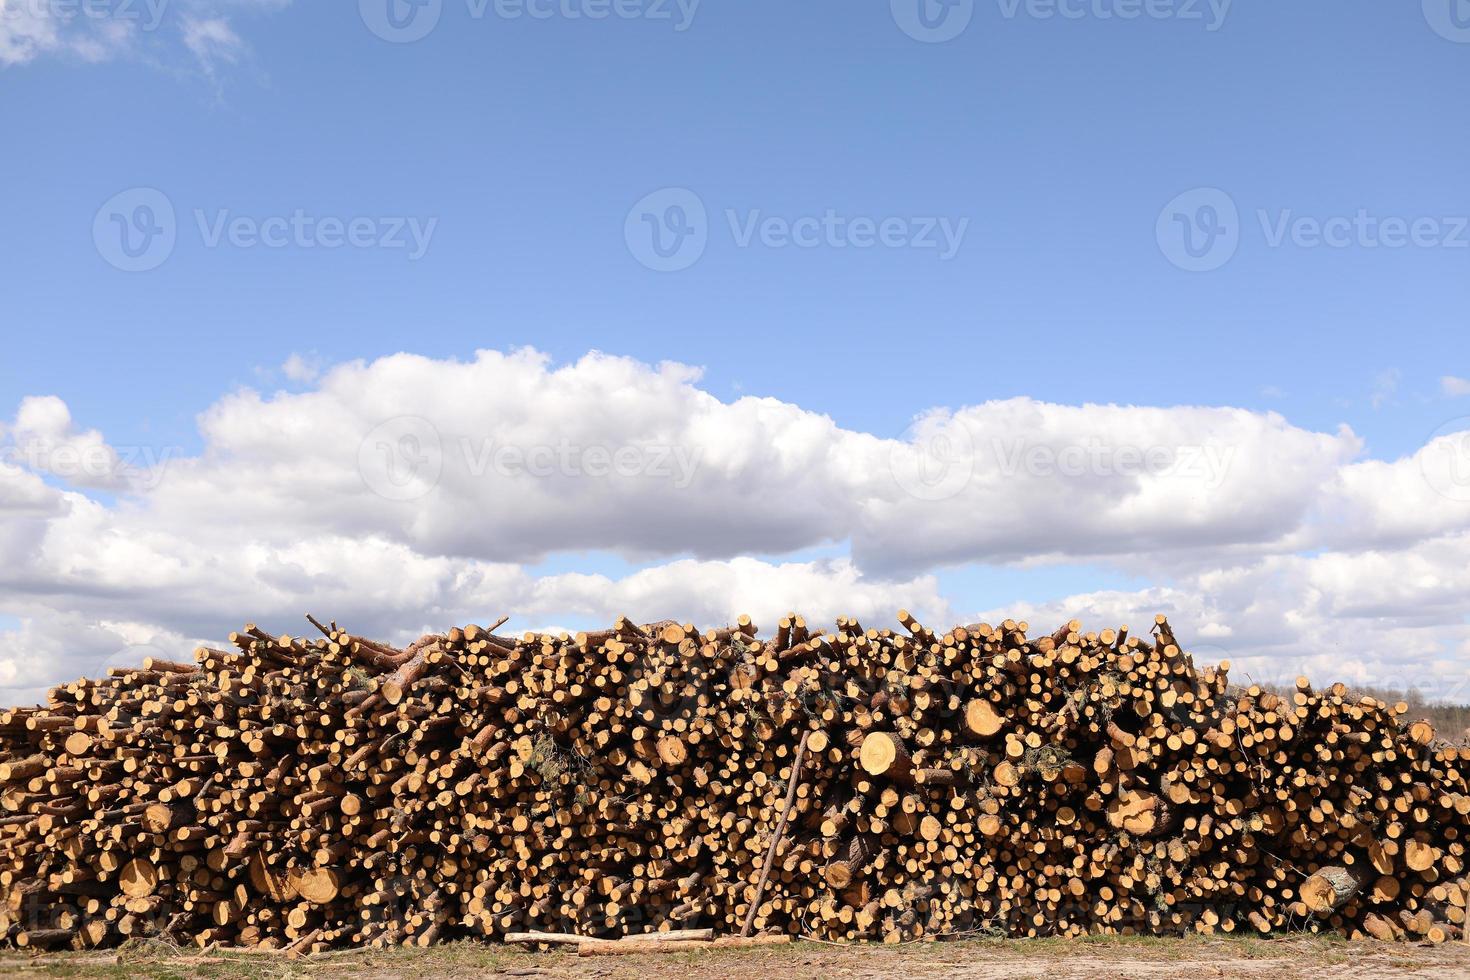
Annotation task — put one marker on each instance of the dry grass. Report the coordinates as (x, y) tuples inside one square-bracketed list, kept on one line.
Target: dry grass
[(1274, 958)]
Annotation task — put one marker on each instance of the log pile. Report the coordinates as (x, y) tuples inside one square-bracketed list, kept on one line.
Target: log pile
[(302, 794)]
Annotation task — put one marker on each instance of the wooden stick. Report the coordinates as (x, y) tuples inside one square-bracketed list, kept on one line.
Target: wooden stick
[(760, 888), (1465, 922), (570, 939), (631, 947)]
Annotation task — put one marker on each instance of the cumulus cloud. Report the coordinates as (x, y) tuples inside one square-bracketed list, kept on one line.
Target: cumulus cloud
[(185, 594), (24, 493), (1037, 480), (1454, 387), (43, 439), (1391, 619), (409, 493), (53, 647), (508, 458), (1396, 503)]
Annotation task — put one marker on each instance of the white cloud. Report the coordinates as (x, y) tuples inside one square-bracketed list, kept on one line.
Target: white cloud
[(1389, 504), (32, 28), (212, 40), (92, 32), (382, 496), (1077, 482), (1454, 387), (717, 479), (301, 368), (167, 589), (1385, 386), (1394, 619), (43, 439)]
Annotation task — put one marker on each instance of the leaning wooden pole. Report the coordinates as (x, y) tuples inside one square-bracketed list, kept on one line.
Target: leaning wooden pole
[(780, 832)]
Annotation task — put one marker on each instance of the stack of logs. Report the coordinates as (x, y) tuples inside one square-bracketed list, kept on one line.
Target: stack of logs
[(849, 784)]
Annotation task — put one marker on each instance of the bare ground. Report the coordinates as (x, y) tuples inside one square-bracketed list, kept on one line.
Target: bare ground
[(1197, 959)]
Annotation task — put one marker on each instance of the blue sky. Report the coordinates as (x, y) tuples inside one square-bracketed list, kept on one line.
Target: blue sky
[(521, 145), (529, 140)]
